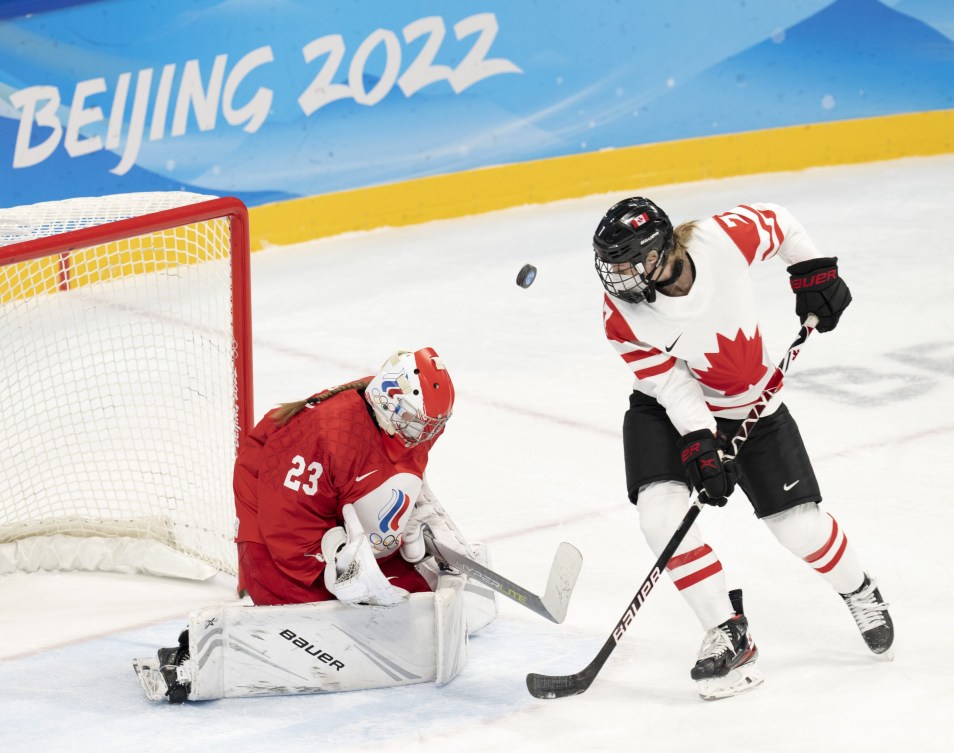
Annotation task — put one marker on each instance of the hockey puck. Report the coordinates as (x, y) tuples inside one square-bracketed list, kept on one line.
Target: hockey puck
[(526, 275)]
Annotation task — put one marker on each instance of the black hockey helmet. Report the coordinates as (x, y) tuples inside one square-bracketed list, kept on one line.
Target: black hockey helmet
[(629, 231)]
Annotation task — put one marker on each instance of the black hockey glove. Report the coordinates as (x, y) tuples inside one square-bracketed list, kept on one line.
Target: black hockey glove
[(710, 475), (819, 291)]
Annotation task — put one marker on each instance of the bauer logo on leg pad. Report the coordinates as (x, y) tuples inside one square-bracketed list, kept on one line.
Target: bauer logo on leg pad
[(311, 649)]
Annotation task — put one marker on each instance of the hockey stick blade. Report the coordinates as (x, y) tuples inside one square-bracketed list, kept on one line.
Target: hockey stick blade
[(561, 686), (564, 571)]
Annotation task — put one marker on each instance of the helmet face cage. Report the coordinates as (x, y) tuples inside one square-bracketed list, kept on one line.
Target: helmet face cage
[(623, 240), (626, 281), (412, 396)]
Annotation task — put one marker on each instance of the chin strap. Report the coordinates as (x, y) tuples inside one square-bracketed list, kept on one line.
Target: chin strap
[(676, 271), (677, 268)]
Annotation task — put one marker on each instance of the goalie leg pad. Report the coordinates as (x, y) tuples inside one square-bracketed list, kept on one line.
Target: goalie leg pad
[(480, 602), (450, 616), (238, 651)]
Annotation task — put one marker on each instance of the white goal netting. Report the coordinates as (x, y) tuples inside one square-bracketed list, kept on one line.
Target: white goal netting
[(120, 388)]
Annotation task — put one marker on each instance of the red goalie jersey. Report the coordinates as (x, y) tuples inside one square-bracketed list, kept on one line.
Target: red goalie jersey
[(292, 481), (701, 356)]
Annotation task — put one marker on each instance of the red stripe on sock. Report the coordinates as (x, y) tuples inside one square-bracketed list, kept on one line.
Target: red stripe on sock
[(691, 580), (691, 556), (815, 556), (836, 558)]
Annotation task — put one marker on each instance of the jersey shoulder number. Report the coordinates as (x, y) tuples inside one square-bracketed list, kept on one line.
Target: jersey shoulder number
[(755, 232)]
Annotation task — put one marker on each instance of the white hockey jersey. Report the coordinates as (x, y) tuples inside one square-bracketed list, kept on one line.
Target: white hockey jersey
[(701, 355)]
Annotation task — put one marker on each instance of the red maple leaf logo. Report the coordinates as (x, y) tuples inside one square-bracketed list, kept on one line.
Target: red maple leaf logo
[(736, 365)]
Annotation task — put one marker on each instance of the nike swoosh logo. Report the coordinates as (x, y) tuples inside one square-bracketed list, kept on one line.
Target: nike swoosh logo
[(786, 487), (673, 343), (361, 478)]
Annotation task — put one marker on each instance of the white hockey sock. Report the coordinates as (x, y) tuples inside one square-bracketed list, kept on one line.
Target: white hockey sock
[(816, 537), (695, 569)]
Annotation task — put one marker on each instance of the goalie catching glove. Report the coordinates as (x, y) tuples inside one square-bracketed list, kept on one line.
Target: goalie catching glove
[(710, 475), (429, 511), (819, 290), (352, 573)]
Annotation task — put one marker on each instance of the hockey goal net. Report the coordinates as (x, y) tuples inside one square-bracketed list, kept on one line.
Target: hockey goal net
[(125, 383)]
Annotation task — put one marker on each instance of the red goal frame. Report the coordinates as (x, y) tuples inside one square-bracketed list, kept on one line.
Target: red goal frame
[(227, 207)]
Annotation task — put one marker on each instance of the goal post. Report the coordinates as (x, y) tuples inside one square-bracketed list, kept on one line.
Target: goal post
[(126, 382)]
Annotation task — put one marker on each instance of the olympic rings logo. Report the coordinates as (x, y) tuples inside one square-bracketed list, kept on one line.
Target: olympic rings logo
[(384, 543)]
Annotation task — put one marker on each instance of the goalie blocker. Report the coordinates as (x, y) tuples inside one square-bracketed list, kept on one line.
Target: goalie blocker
[(236, 651)]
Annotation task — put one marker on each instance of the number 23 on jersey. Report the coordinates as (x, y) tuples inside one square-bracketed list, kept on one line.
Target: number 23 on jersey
[(311, 471)]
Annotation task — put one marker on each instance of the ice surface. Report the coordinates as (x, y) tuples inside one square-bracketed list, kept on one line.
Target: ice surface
[(533, 457)]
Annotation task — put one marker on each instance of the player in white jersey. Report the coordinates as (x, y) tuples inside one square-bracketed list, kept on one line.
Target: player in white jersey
[(681, 311)]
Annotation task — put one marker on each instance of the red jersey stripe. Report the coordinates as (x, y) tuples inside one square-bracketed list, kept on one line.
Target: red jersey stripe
[(638, 355), (653, 370)]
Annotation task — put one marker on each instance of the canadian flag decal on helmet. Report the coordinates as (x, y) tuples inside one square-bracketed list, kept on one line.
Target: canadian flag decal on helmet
[(639, 219)]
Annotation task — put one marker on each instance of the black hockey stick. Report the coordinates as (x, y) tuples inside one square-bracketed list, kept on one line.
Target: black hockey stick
[(563, 574), (560, 686)]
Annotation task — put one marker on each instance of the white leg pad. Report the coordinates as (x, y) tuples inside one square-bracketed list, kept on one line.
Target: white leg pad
[(480, 602), (238, 651), (450, 616)]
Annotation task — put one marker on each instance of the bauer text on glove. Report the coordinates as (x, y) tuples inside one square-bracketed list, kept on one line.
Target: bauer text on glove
[(819, 290)]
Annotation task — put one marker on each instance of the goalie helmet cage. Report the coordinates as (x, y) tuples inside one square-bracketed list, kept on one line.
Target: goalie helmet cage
[(126, 382)]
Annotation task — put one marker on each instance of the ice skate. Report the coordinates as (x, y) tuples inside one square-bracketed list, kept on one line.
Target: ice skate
[(726, 664), (171, 661), (871, 615), (166, 676)]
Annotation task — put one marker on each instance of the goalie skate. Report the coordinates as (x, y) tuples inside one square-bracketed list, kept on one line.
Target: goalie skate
[(147, 670), (166, 676)]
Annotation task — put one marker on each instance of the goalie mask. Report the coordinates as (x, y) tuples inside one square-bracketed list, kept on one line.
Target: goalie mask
[(633, 232), (412, 396)]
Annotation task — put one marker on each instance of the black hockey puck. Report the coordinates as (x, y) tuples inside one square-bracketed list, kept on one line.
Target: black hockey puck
[(526, 276)]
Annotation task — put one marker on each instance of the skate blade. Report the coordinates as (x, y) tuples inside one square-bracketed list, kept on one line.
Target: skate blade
[(147, 670), (739, 680)]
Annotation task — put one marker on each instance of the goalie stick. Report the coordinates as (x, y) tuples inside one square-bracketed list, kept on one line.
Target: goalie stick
[(553, 605), (560, 686)]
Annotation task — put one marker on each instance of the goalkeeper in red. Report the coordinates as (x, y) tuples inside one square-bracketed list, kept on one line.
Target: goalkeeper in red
[(332, 501), (330, 491), (681, 311)]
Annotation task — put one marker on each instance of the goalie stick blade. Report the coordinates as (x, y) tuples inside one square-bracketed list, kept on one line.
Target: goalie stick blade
[(563, 574), (567, 563)]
